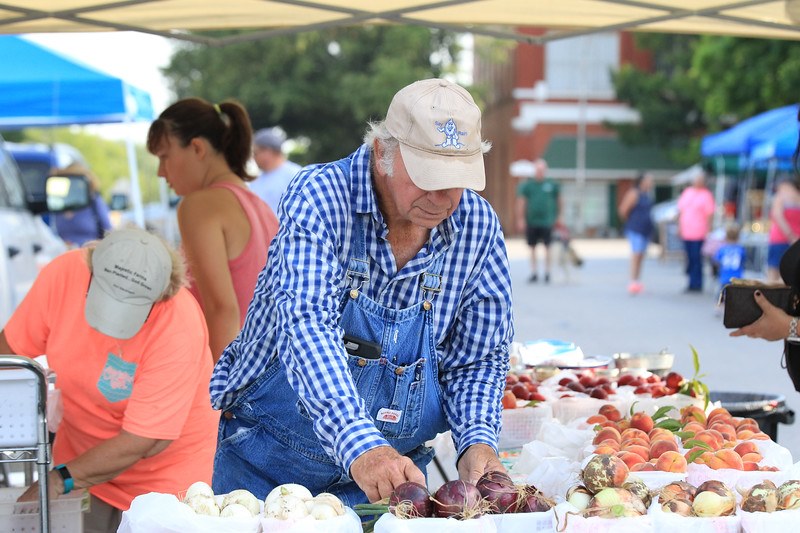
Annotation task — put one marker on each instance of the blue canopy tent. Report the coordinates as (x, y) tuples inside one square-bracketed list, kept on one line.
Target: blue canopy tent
[(740, 139), (39, 87), (778, 144)]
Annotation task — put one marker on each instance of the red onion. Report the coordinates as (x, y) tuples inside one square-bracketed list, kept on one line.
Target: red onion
[(458, 499), (499, 491), (533, 501), (411, 500)]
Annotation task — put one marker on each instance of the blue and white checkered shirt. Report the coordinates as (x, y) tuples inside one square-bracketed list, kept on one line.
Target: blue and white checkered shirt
[(294, 314)]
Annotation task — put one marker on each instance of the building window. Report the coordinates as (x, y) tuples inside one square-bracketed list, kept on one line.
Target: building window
[(582, 66)]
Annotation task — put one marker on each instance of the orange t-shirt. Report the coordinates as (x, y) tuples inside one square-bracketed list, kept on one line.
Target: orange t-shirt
[(154, 385)]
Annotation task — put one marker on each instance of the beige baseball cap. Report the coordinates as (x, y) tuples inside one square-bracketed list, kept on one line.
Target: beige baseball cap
[(131, 269), (439, 129)]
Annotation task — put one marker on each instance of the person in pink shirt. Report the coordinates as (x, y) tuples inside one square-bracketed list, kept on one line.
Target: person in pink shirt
[(784, 226), (129, 347), (695, 210)]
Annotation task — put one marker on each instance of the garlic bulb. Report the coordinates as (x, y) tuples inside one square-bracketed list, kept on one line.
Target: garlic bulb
[(288, 489)]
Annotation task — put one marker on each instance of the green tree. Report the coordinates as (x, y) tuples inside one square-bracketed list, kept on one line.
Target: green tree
[(702, 84), (323, 86)]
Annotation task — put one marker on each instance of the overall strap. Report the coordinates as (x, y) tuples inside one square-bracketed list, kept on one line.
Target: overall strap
[(430, 281), (358, 265)]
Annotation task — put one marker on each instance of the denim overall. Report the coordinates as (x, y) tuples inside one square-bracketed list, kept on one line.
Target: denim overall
[(266, 437)]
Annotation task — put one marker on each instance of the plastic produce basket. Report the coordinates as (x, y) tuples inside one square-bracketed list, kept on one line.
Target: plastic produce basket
[(66, 512)]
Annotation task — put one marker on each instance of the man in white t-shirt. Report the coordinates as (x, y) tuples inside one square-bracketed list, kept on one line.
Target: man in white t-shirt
[(276, 170)]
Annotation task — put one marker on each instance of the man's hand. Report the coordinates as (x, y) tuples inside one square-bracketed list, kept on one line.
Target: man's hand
[(773, 325), (476, 461), (378, 471)]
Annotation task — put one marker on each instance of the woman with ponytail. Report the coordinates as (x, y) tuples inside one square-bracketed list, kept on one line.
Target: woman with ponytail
[(202, 151)]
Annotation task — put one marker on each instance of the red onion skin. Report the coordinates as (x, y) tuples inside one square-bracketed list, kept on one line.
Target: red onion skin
[(456, 499), (534, 501), (417, 495), (499, 491)]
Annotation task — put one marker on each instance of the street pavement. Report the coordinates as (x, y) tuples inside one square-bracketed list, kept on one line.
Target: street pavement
[(591, 307)]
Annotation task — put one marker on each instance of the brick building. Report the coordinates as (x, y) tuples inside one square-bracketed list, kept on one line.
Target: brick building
[(552, 101)]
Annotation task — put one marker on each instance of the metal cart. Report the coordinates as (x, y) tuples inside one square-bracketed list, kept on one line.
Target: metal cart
[(23, 422)]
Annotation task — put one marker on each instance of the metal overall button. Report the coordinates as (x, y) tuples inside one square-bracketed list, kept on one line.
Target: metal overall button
[(427, 305), (399, 370), (362, 362), (354, 293)]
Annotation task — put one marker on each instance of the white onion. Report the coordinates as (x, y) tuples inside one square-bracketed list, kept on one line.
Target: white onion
[(235, 510), (242, 497), (330, 500), (288, 489), (198, 487), (323, 511), (285, 507), (204, 505)]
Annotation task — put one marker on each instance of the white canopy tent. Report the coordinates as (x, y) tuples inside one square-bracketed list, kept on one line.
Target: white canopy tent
[(776, 19)]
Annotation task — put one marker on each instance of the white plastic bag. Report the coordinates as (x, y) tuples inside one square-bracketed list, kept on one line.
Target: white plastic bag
[(525, 522), (347, 523), (569, 520), (777, 522), (388, 523), (164, 513)]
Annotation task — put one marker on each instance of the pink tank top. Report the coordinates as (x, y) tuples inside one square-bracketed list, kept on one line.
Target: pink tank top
[(246, 267), (792, 215)]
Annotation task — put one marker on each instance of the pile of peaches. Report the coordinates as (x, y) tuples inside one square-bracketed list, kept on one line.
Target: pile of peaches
[(645, 442)]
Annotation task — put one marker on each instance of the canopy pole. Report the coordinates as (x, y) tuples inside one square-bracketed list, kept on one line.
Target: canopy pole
[(133, 169)]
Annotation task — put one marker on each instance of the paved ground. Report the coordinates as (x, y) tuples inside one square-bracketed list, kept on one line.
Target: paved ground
[(592, 309)]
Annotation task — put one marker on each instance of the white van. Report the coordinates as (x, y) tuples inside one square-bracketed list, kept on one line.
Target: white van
[(26, 242)]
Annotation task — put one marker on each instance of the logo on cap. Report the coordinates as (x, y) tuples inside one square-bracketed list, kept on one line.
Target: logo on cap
[(451, 134)]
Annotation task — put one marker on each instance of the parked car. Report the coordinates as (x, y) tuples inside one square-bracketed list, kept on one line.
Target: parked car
[(37, 160), (26, 242)]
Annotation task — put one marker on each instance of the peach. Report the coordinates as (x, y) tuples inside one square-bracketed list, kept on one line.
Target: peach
[(623, 424), (630, 458), (752, 427), (643, 421), (604, 449), (760, 436), (660, 432), (712, 461), (694, 427), (610, 443), (608, 424), (644, 451), (731, 458), (745, 421), (693, 413), (634, 442), (610, 412), (749, 466), (606, 433), (718, 411), (658, 447), (633, 432), (711, 437), (744, 434), (596, 419), (671, 461), (647, 466), (728, 431), (752, 456), (695, 452), (746, 447)]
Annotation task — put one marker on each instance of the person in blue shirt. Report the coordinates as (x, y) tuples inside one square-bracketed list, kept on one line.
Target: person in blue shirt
[(382, 318), (731, 256), (276, 170), (89, 223)]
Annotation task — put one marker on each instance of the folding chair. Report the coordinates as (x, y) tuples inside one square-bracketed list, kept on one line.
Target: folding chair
[(23, 422)]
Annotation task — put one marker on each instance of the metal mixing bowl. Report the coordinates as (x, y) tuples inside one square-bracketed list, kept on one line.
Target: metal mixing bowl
[(658, 363)]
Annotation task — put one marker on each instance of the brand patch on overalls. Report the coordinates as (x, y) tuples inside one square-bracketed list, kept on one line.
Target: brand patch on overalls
[(389, 415)]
